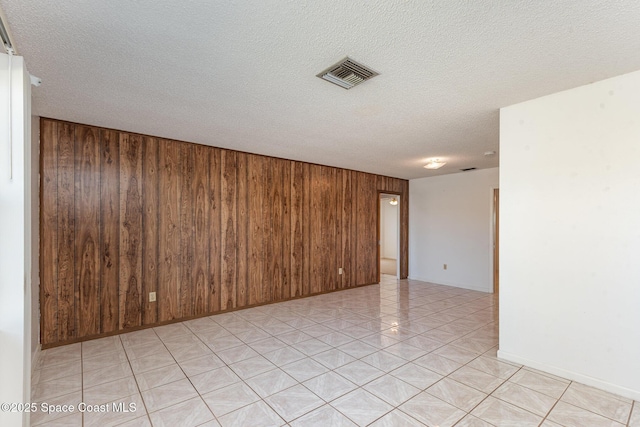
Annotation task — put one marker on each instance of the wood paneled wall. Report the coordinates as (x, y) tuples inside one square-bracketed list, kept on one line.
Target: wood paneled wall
[(205, 228)]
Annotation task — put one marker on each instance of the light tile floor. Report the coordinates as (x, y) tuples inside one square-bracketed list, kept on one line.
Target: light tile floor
[(402, 353)]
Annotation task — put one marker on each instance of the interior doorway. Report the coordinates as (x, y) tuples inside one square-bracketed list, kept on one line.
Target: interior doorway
[(496, 240), (389, 235)]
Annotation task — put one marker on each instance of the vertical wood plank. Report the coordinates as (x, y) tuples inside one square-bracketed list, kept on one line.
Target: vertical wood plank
[(324, 224), (130, 230), (276, 229), (325, 258), (322, 257), (371, 233), (267, 235), (354, 229), (66, 236), (332, 247), (316, 219), (256, 229), (169, 231), (187, 243), (286, 228), (49, 231), (381, 182), (201, 230), (242, 210), (337, 244), (346, 201), (215, 233), (373, 223), (361, 274), (297, 248), (366, 245), (229, 232), (404, 230), (109, 230), (150, 237), (87, 228), (306, 229), (398, 185)]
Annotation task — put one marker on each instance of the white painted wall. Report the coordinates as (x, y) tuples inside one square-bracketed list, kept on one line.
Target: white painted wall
[(450, 222), (389, 232), (15, 240), (35, 236), (570, 234)]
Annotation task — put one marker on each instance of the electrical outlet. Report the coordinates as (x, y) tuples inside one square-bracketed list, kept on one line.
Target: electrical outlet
[(152, 296), (444, 266), (340, 270)]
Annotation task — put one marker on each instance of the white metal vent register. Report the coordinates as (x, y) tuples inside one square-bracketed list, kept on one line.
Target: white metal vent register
[(347, 73)]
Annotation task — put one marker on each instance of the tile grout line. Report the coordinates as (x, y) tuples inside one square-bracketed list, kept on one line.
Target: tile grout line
[(487, 394), (184, 373), (135, 379), (556, 403), (357, 308), (589, 410), (424, 390), (324, 401), (243, 380), (330, 370)]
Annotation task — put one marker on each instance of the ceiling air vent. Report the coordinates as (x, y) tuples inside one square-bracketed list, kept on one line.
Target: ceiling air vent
[(347, 73), (468, 169)]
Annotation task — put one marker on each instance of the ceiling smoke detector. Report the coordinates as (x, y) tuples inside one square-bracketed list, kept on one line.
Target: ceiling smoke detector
[(347, 73)]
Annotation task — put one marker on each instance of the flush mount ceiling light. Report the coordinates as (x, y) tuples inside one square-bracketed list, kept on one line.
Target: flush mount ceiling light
[(393, 201), (434, 164), (347, 73)]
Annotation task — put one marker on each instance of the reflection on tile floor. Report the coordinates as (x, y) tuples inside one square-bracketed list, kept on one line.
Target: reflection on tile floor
[(402, 353)]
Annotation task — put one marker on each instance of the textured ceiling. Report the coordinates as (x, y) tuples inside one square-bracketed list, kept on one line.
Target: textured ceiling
[(242, 74)]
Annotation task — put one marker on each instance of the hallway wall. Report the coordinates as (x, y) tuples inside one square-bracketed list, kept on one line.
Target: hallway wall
[(451, 223)]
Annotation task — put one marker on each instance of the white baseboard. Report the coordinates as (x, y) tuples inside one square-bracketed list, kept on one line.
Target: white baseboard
[(574, 376), (455, 285)]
